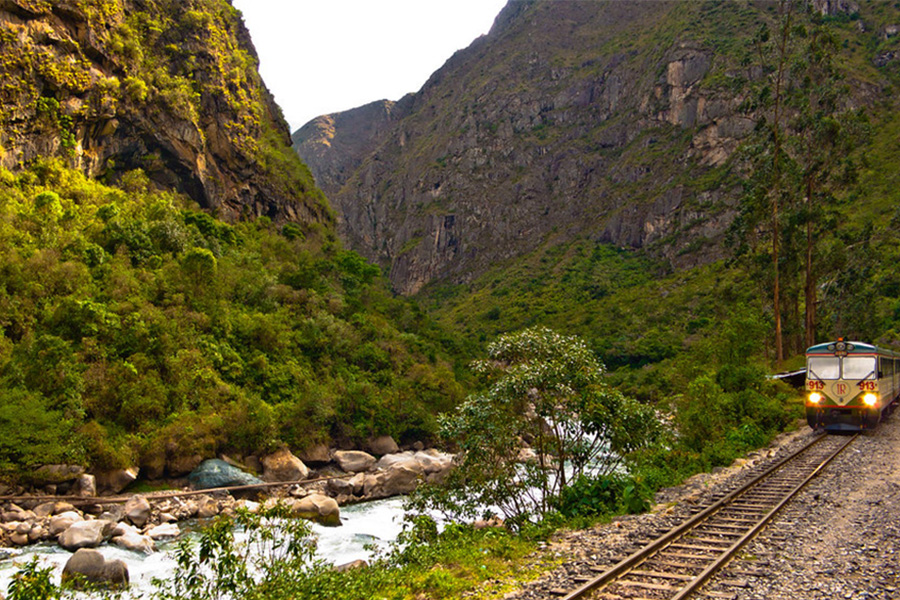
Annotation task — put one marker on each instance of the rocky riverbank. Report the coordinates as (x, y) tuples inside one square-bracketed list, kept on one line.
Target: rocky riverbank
[(85, 520)]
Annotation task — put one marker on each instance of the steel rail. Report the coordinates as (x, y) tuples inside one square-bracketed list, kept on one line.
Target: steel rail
[(709, 571), (639, 556)]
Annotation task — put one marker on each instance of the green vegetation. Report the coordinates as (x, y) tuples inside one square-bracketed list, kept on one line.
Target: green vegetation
[(547, 390), (181, 69), (137, 329)]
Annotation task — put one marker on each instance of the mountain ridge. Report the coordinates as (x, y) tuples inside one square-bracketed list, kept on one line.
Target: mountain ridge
[(170, 88), (614, 121)]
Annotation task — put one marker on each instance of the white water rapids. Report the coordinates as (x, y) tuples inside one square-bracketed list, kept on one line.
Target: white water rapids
[(377, 522)]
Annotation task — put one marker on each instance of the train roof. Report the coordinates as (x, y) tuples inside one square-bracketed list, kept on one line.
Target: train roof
[(851, 347)]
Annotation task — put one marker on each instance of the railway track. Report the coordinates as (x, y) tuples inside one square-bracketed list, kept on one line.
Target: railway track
[(677, 564)]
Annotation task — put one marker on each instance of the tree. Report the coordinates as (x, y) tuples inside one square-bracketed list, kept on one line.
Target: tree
[(825, 132), (796, 159), (545, 390)]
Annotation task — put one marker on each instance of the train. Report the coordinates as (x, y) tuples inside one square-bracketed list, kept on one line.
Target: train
[(851, 386)]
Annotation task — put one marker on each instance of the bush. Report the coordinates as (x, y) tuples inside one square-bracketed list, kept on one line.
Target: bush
[(32, 433)]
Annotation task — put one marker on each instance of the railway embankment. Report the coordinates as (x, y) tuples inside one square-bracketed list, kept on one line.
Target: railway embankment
[(838, 538)]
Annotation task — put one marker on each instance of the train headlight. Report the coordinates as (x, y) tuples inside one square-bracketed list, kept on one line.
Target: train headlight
[(870, 399), (815, 397)]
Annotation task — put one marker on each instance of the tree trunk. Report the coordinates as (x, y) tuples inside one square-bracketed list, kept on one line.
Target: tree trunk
[(810, 275)]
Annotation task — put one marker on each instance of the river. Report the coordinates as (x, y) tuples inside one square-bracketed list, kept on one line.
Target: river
[(377, 522)]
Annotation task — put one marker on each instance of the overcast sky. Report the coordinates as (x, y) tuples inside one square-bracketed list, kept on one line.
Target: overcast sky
[(324, 56)]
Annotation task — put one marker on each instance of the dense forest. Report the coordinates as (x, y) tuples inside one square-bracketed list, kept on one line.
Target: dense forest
[(139, 330)]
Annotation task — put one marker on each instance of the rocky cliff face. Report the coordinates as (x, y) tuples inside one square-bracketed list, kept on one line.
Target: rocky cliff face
[(613, 120), (168, 87)]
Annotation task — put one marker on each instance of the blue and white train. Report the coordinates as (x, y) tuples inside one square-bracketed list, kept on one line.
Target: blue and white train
[(850, 386)]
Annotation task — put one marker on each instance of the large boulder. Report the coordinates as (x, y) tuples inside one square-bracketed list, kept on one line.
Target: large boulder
[(88, 568), (63, 521), (393, 481), (86, 534), (86, 486), (434, 461), (354, 461), (113, 482), (319, 508), (402, 479), (137, 510), (318, 455), (58, 473), (283, 466), (216, 473), (382, 445), (401, 458)]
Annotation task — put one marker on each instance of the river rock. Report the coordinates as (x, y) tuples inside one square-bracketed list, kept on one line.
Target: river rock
[(164, 531), (215, 473), (19, 539), (395, 480), (382, 445), (137, 510), (133, 540), (283, 466), (89, 566), (86, 534), (340, 486), (61, 507), (318, 455), (63, 521), (358, 482), (58, 473), (36, 533), (354, 461), (113, 482), (434, 461), (10, 515), (207, 507), (401, 458), (113, 512), (86, 486), (356, 564), (44, 509), (319, 508)]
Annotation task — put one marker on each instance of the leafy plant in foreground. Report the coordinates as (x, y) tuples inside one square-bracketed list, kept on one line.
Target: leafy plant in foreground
[(268, 562)]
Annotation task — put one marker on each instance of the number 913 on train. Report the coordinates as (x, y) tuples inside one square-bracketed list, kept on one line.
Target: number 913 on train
[(850, 386)]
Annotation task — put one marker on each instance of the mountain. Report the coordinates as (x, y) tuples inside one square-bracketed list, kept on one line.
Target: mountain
[(169, 87), (171, 283), (615, 121)]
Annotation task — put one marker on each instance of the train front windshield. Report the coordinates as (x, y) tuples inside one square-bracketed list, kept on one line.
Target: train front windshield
[(824, 367), (859, 367), (829, 367)]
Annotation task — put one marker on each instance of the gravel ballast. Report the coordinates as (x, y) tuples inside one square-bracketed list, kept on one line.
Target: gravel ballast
[(838, 539)]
